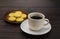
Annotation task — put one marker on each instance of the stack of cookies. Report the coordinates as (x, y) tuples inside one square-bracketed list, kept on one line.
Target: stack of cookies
[(16, 16)]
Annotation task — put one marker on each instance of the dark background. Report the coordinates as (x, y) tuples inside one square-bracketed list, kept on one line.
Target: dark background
[(51, 9)]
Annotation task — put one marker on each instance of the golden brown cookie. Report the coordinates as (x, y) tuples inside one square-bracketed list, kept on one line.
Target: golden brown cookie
[(18, 13), (11, 14), (19, 19), (23, 16), (11, 18)]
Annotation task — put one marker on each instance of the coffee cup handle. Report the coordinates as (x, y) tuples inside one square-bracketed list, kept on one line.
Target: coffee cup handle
[(46, 23)]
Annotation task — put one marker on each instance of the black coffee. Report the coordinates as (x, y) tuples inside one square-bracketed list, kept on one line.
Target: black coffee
[(36, 17)]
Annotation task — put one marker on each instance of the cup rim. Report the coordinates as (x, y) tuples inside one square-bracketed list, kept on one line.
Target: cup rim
[(29, 15)]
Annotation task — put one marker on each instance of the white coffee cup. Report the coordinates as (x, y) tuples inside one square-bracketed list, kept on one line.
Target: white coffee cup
[(37, 24)]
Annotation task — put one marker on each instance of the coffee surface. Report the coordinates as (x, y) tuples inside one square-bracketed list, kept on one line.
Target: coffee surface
[(36, 17)]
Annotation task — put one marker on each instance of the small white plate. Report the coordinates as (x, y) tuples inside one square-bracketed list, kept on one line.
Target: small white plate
[(25, 28)]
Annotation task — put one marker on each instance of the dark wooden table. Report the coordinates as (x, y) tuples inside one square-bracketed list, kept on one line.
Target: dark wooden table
[(51, 9)]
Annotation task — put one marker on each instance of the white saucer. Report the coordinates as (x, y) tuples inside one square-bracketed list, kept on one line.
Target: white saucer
[(25, 28)]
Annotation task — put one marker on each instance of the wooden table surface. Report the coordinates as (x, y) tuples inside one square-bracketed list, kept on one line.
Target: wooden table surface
[(51, 9)]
